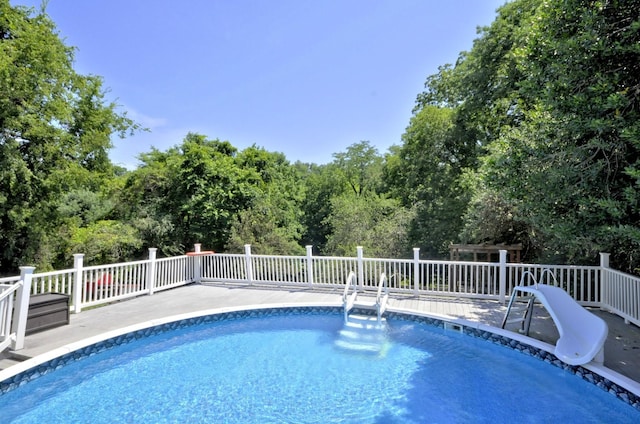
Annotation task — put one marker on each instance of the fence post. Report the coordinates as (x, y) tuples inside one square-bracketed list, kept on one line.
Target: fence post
[(248, 263), (78, 263), (605, 281), (416, 270), (151, 272), (19, 324), (309, 265), (197, 263), (502, 277), (360, 267)]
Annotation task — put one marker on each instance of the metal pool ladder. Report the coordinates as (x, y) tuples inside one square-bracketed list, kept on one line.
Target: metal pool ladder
[(527, 311)]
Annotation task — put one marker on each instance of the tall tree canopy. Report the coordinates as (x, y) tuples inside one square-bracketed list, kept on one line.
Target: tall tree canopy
[(426, 174), (532, 136), (206, 191), (547, 107), (358, 211), (272, 223), (55, 129)]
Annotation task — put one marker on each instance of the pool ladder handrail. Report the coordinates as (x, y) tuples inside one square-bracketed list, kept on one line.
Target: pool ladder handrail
[(349, 301), (382, 296), (525, 320)]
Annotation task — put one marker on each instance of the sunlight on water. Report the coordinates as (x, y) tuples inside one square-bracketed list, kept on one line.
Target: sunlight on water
[(291, 369)]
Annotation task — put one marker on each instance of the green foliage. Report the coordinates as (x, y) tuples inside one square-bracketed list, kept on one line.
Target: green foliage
[(258, 226), (532, 137), (188, 194), (322, 183), (360, 167), (104, 242), (425, 173), (205, 191), (54, 125), (345, 196), (84, 206), (143, 201), (550, 92), (374, 222), (208, 189), (272, 223)]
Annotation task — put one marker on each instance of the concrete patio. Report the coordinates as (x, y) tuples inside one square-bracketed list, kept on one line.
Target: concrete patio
[(622, 348)]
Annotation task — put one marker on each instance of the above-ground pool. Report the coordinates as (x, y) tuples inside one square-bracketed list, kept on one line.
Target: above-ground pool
[(297, 365)]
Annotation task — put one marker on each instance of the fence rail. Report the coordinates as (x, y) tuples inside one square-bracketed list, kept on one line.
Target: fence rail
[(597, 286), (7, 293), (171, 272), (228, 267), (53, 281), (621, 295), (331, 271), (581, 282), (14, 305)]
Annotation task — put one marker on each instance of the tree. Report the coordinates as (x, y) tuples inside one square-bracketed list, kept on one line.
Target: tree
[(360, 166), (322, 183), (206, 191), (374, 222), (105, 242), (571, 166), (259, 226), (53, 122), (425, 173), (547, 121), (462, 111), (359, 214), (354, 173), (144, 201), (272, 223)]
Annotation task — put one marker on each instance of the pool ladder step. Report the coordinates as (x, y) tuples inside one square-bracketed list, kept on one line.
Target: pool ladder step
[(362, 333), (351, 299)]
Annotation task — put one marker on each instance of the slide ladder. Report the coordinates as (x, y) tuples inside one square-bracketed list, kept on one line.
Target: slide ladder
[(524, 313), (582, 333)]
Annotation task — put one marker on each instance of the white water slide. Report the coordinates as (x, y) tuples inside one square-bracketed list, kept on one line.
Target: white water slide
[(582, 333)]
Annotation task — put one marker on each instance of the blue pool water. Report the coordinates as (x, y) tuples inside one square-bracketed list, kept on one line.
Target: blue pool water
[(288, 369)]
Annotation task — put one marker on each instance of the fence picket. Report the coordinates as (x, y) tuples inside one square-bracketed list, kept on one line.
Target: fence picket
[(597, 286)]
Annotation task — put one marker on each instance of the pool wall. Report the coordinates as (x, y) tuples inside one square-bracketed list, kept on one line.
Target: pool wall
[(623, 388)]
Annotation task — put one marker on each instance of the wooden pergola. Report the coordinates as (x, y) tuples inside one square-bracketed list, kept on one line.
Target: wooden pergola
[(487, 252)]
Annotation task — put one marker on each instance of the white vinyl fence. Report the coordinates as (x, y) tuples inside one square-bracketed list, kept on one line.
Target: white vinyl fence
[(14, 304), (596, 286), (621, 295), (591, 286)]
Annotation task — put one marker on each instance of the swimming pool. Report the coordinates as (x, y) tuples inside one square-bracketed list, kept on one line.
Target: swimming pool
[(285, 365)]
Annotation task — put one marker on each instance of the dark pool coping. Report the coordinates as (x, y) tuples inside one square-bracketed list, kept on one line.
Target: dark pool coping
[(618, 385)]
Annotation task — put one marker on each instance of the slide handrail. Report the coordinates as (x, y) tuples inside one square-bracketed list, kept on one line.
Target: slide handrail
[(531, 276), (555, 280)]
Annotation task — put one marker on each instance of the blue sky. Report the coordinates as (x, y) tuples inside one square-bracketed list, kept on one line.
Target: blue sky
[(307, 78)]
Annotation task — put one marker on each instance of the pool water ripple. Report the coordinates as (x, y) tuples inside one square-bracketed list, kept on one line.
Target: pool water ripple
[(287, 368)]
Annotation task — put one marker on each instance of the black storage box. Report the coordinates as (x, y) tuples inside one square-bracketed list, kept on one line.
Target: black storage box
[(47, 310)]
